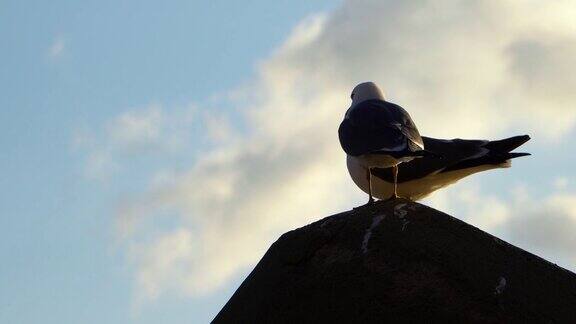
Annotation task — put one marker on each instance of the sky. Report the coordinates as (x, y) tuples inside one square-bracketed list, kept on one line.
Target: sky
[(153, 152)]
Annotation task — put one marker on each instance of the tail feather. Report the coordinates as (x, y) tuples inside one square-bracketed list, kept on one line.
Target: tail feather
[(498, 152), (515, 155), (508, 144)]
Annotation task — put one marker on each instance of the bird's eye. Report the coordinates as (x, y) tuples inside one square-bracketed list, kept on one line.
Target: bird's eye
[(352, 96)]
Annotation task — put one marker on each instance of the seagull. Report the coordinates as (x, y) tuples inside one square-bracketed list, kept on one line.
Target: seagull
[(449, 161), (376, 133)]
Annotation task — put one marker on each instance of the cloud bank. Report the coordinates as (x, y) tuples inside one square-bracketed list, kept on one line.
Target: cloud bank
[(462, 69), (542, 225)]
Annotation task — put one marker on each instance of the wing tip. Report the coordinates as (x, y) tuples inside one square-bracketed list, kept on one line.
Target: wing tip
[(513, 155), (508, 144)]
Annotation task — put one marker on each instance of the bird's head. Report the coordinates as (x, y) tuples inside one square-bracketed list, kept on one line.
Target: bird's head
[(366, 91)]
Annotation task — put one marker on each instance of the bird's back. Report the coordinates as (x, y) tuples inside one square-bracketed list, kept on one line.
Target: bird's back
[(377, 126)]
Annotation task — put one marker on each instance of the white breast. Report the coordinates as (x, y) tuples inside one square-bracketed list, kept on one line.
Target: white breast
[(377, 160), (415, 189)]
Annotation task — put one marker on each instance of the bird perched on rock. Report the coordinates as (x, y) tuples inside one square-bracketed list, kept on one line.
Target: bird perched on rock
[(376, 133), (450, 161)]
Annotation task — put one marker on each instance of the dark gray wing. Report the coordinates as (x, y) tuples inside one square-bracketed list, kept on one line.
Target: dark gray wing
[(377, 126), (455, 154)]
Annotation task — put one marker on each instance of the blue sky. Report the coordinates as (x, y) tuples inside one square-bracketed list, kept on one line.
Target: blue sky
[(152, 152), (60, 264)]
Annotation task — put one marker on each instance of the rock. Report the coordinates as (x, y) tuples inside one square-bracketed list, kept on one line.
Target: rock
[(400, 262)]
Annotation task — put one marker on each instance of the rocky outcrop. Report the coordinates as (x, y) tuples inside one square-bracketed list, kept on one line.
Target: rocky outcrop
[(400, 262)]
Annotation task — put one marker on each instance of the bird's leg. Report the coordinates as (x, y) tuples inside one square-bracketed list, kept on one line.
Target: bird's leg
[(395, 176), (369, 176)]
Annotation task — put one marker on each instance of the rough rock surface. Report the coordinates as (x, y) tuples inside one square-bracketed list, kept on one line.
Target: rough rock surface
[(400, 262)]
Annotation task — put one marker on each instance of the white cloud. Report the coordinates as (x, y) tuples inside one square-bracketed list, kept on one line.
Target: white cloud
[(144, 131), (462, 68), (138, 128), (543, 225), (57, 47), (546, 228), (218, 127), (100, 166), (561, 183), (165, 261), (150, 129), (468, 202)]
